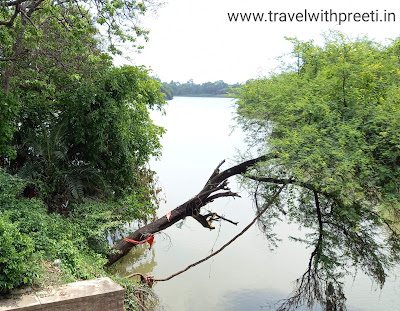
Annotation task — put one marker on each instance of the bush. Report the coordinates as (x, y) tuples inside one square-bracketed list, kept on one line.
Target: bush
[(28, 234), (16, 256)]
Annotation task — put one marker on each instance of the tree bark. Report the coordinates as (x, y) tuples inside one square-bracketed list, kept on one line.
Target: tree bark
[(216, 187)]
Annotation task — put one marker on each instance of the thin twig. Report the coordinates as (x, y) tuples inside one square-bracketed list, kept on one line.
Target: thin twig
[(226, 219), (29, 19)]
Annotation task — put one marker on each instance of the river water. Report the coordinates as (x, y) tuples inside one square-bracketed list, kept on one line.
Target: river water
[(247, 275)]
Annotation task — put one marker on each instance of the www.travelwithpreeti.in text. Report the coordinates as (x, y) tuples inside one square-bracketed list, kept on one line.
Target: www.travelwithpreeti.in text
[(328, 16)]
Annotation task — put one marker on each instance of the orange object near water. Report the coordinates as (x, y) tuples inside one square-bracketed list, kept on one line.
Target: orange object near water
[(149, 240)]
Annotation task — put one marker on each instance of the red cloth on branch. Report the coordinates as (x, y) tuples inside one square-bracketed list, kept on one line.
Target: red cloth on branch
[(149, 240)]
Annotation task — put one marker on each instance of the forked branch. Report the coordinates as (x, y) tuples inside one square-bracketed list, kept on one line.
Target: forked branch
[(215, 187)]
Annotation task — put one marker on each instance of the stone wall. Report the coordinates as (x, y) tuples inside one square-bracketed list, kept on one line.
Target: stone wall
[(101, 294)]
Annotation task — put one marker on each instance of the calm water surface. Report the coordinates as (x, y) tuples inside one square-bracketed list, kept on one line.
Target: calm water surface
[(247, 275)]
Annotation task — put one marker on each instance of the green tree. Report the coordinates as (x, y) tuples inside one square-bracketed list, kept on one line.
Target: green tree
[(329, 124), (83, 126), (93, 140), (77, 130), (34, 60)]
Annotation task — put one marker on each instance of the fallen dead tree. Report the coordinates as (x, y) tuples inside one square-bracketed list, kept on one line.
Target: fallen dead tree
[(215, 187), (149, 280)]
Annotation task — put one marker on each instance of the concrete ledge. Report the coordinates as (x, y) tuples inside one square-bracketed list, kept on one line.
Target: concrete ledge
[(101, 294)]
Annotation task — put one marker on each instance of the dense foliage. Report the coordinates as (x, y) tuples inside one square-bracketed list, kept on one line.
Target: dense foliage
[(93, 140), (75, 138), (119, 21), (82, 127), (16, 249), (30, 237), (42, 249), (9, 108), (330, 123)]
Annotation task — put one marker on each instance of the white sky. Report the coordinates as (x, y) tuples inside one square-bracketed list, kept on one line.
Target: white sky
[(194, 38)]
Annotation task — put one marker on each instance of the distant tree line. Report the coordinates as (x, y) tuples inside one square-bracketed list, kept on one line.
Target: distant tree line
[(218, 88)]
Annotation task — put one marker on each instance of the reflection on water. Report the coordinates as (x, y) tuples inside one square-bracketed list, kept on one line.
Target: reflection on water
[(246, 275), (252, 300), (140, 260)]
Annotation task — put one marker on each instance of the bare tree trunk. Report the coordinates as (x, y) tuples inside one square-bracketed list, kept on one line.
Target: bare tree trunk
[(216, 187)]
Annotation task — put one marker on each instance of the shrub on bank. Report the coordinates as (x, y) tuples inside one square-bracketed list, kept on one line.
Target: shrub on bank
[(31, 240), (17, 256)]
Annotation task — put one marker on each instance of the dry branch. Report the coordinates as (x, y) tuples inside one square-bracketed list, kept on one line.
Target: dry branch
[(216, 187)]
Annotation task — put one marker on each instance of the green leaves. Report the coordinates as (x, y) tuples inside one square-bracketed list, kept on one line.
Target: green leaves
[(31, 238), (16, 255), (330, 115), (111, 131), (9, 107), (331, 118), (119, 20), (107, 134)]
